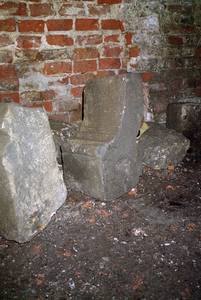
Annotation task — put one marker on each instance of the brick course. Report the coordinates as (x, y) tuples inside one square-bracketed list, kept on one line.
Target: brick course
[(55, 47)]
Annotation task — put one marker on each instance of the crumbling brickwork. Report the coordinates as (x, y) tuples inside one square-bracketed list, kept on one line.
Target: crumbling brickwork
[(49, 49)]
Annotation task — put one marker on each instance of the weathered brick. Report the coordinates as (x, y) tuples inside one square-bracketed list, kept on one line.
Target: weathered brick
[(75, 116), (85, 53), (67, 105), (59, 24), (198, 92), (109, 63), (81, 78), (197, 61), (164, 96), (147, 76), (86, 24), (41, 10), (179, 29), (31, 26), (181, 9), (174, 63), (85, 66), (33, 104), (29, 96), (10, 97), (198, 52), (48, 94), (194, 92), (109, 1), (134, 51), (175, 74), (125, 62), (59, 40), (7, 71), (57, 68), (5, 40), (157, 87), (13, 9), (176, 84), (99, 10), (175, 40), (6, 56), (94, 39), (29, 41), (48, 106), (193, 82), (74, 9), (22, 55), (114, 38), (112, 51), (77, 91), (104, 74), (160, 106), (60, 117), (128, 37), (31, 0), (112, 24), (59, 82), (54, 54), (10, 84), (122, 71), (8, 25)]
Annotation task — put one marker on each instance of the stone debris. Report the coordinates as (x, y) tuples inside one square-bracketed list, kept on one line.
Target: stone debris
[(101, 157), (32, 187), (160, 147)]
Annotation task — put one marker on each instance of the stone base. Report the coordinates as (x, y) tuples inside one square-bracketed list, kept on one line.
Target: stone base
[(101, 157)]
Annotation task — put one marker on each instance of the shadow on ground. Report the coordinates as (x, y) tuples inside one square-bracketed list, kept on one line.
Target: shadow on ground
[(143, 245)]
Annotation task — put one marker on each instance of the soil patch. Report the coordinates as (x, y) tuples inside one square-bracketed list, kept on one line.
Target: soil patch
[(143, 245)]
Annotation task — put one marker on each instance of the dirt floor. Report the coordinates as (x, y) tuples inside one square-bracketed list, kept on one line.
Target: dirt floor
[(143, 245)]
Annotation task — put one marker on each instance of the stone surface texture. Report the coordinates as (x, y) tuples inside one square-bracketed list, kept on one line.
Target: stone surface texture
[(101, 157), (160, 147), (185, 118), (32, 188)]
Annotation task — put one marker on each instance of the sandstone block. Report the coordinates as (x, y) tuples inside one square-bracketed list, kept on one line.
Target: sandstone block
[(101, 157), (31, 185)]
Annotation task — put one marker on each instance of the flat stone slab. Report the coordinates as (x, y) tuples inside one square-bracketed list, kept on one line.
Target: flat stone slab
[(160, 147), (32, 187), (101, 157)]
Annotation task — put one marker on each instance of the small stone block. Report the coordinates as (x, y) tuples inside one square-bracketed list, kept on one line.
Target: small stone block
[(185, 117)]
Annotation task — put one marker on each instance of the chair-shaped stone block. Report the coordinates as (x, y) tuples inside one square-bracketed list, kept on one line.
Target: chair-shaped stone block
[(101, 157)]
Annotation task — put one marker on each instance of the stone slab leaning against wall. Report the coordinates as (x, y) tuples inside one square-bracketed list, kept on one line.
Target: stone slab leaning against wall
[(31, 185)]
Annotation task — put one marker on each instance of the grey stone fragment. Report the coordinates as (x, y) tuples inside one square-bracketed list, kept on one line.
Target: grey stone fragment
[(186, 119), (101, 157), (32, 187), (160, 147)]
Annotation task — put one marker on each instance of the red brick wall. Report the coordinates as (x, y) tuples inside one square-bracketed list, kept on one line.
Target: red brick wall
[(50, 49)]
